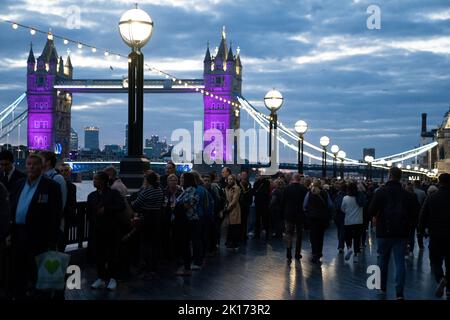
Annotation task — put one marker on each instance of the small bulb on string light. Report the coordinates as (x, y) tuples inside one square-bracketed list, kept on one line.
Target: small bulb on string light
[(106, 53), (179, 82), (15, 26), (66, 42), (50, 36), (167, 76), (129, 60), (173, 79), (32, 32), (197, 89), (94, 50), (80, 46), (117, 57)]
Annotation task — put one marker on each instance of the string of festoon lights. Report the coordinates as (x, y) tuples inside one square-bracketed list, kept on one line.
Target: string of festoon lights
[(94, 49), (109, 53)]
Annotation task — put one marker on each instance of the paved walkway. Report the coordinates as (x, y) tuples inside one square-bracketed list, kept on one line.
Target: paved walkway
[(259, 271)]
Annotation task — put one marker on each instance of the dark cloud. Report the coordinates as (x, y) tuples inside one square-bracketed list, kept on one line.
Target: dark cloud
[(334, 72)]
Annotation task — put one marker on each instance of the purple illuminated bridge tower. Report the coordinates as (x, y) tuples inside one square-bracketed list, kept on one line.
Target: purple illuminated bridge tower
[(48, 108), (223, 78), (50, 85)]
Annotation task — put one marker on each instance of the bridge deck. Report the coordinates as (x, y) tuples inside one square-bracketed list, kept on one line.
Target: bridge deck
[(259, 271), (121, 85)]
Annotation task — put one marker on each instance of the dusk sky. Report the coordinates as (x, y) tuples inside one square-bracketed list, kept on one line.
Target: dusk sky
[(361, 87)]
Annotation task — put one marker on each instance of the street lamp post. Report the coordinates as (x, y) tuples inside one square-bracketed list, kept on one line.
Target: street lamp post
[(300, 127), (335, 150), (324, 142), (342, 155), (135, 27), (273, 101)]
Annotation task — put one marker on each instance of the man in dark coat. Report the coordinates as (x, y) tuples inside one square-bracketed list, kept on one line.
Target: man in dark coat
[(5, 265), (261, 191), (435, 218), (9, 175), (293, 197), (36, 208), (394, 211)]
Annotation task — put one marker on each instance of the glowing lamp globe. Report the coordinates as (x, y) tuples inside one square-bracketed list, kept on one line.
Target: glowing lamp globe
[(273, 100), (301, 127), (334, 149), (369, 159), (341, 154), (324, 141), (135, 27)]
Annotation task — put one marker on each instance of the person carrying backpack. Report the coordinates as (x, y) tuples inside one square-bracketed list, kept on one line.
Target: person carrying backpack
[(394, 211)]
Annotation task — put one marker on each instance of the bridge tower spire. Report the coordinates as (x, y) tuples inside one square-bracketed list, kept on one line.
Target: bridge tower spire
[(48, 109), (224, 82)]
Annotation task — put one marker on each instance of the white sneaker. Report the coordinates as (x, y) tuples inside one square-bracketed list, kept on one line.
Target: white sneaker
[(348, 255), (112, 285), (98, 284)]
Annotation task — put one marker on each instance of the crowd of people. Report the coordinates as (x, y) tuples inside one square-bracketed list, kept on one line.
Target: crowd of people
[(179, 219)]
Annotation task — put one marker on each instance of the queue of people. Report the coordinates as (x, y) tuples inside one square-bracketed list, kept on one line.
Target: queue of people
[(179, 220)]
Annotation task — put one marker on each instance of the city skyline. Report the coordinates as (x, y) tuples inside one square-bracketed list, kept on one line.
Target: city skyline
[(350, 83)]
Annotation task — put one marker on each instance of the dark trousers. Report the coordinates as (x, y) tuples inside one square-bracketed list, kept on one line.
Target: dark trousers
[(291, 229), (210, 234), (340, 227), (262, 219), (106, 242), (234, 235), (364, 231), (23, 264), (5, 270), (353, 235), (151, 241), (245, 212), (316, 234), (167, 245), (189, 232), (439, 254), (276, 222), (396, 246), (412, 239)]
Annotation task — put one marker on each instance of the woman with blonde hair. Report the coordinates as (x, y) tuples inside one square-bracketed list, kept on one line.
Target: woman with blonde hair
[(318, 208), (233, 211)]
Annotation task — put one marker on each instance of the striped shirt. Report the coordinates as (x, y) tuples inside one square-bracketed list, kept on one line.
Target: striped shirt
[(149, 199)]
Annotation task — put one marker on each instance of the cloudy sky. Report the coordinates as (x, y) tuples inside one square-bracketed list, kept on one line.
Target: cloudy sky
[(361, 87)]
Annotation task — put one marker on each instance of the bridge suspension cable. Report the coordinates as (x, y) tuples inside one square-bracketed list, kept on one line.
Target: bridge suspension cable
[(243, 104)]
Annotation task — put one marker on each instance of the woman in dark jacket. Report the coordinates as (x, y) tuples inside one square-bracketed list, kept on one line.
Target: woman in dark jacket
[(339, 216), (171, 193), (148, 206), (318, 207), (276, 208), (104, 206)]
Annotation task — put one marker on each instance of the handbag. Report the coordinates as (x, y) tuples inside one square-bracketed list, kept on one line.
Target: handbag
[(51, 270)]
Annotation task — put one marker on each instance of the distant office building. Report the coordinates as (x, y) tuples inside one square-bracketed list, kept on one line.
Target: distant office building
[(73, 140), (91, 138), (154, 148), (368, 152), (125, 148), (112, 148)]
